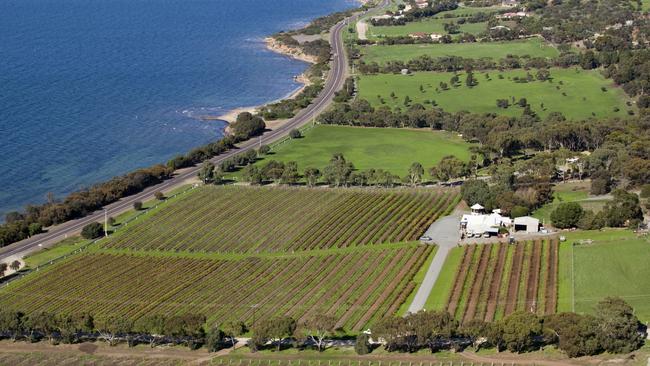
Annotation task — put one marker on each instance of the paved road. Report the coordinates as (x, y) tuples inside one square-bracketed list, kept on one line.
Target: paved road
[(446, 235), (336, 78)]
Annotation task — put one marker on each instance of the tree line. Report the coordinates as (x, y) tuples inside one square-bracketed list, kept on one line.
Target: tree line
[(613, 328)]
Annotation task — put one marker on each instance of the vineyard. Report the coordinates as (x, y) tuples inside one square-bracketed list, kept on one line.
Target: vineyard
[(357, 285), (498, 279), (252, 220)]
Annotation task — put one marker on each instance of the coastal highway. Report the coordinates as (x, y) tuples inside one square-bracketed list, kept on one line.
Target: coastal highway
[(336, 78)]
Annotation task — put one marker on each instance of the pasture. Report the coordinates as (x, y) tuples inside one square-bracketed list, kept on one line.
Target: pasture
[(393, 150), (614, 264), (355, 286), (575, 93), (239, 219), (493, 280), (429, 25), (570, 192), (533, 47)]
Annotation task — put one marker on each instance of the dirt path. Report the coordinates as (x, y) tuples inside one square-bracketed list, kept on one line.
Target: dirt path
[(362, 29), (518, 360)]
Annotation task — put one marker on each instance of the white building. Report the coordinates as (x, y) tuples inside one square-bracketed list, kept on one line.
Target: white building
[(478, 223), (436, 36), (527, 224)]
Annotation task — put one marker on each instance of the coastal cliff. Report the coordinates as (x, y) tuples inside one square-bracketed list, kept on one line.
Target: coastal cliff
[(293, 52)]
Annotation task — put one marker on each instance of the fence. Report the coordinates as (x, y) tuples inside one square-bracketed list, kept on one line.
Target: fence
[(18, 275)]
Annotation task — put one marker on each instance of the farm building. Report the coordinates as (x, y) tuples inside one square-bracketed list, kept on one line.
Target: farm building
[(527, 224), (478, 223)]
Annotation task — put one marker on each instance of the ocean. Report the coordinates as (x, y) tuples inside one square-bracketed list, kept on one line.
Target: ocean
[(90, 89)]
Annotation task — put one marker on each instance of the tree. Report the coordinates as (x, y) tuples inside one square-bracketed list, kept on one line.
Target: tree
[(251, 174), (159, 196), (263, 150), (3, 269), (362, 344), (274, 329), (273, 170), (645, 191), (112, 327), (40, 323), (92, 231), (290, 174), (234, 329), (622, 209), (407, 100), (247, 126), (35, 228), (338, 171), (449, 167), (295, 133), (312, 175), (70, 326), (137, 205), (416, 172), (601, 182), (576, 334), (566, 215), (11, 322), (517, 332), (470, 80), (153, 325), (15, 265), (618, 327), (543, 74), (317, 327), (215, 339), (477, 191), (206, 172)]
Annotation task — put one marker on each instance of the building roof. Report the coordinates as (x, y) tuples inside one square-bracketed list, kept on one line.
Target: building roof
[(479, 224), (526, 220), (477, 206)]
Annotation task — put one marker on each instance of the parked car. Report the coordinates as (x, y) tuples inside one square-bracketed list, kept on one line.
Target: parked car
[(486, 235), (425, 238)]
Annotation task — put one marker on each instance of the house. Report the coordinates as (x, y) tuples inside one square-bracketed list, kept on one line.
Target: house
[(527, 223), (382, 17), (511, 15), (405, 72), (499, 27), (510, 3), (478, 223), (421, 4), (436, 36), (418, 35)]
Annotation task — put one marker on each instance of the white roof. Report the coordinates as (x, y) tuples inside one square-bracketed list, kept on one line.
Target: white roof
[(526, 220), (477, 207), (478, 224)]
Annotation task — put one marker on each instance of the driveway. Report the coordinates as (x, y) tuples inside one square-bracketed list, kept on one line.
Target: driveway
[(446, 234)]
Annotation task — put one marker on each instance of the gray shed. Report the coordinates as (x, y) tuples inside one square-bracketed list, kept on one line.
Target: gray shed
[(527, 224)]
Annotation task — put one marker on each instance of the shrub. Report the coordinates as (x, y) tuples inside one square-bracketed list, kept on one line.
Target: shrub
[(362, 344), (295, 134), (566, 215), (264, 150), (137, 205), (159, 195), (645, 191), (518, 211), (92, 231)]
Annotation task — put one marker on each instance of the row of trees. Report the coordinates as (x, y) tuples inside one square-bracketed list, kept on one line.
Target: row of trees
[(613, 328)]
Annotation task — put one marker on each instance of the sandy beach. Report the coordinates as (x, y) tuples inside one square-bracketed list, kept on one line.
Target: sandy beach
[(274, 46)]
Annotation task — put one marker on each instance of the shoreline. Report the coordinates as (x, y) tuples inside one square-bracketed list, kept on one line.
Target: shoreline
[(273, 46)]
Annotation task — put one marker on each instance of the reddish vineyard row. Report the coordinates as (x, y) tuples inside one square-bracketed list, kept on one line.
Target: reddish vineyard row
[(245, 219), (494, 280), (356, 287)]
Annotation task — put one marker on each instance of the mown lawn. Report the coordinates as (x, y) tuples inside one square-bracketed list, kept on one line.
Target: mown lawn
[(445, 282), (616, 264), (575, 93), (569, 192), (533, 47), (379, 148), (430, 25)]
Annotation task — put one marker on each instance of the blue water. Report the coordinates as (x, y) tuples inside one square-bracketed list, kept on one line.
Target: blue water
[(94, 88)]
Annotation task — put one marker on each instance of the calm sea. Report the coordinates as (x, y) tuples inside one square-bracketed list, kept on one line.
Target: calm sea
[(94, 88)]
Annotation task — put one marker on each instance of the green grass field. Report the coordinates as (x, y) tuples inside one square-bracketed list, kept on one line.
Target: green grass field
[(445, 282), (569, 192), (379, 148), (430, 25), (533, 47), (584, 97), (616, 264)]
